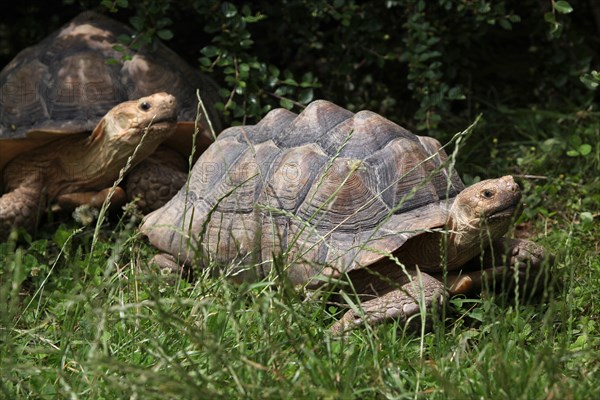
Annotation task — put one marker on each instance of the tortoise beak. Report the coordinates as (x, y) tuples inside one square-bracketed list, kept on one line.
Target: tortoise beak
[(506, 212)]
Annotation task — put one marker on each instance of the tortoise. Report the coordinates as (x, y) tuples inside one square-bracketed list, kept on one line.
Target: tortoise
[(85, 164), (336, 196), (66, 83)]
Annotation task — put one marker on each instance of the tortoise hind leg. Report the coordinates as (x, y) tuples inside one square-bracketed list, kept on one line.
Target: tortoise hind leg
[(422, 292), (157, 179), (22, 207)]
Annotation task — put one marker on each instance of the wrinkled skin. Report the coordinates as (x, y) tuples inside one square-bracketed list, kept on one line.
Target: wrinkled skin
[(79, 169)]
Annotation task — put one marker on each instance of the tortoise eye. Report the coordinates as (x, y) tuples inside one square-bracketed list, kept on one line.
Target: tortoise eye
[(145, 106), (488, 194)]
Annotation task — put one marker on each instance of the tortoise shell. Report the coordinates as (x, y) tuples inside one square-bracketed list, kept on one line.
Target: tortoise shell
[(66, 83), (327, 190)]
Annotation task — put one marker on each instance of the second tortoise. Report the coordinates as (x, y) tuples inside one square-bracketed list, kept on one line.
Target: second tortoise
[(65, 84), (84, 165)]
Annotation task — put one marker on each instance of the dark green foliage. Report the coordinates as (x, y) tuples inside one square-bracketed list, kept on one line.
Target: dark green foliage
[(431, 65), (252, 86)]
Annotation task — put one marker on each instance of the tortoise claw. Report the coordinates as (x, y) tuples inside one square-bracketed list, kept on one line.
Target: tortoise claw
[(460, 285)]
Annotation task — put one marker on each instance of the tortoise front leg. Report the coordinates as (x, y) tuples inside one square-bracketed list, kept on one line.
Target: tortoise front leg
[(507, 265), (96, 199), (22, 207), (157, 179), (422, 292)]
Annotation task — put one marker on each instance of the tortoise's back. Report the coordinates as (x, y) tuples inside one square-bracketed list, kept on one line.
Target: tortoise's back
[(326, 191), (68, 81)]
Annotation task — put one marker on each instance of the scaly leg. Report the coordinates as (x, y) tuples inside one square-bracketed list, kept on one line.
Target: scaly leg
[(506, 265), (22, 207), (157, 179), (421, 292)]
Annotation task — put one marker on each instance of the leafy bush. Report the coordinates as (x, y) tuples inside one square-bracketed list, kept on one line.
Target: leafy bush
[(430, 65)]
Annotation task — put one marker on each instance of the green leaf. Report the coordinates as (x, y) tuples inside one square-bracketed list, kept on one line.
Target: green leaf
[(274, 71), (137, 23), (585, 149), (224, 93), (290, 82), (305, 96), (254, 18), (563, 7), (572, 153), (238, 112), (505, 24), (165, 34), (590, 80), (61, 236), (109, 5), (455, 94), (575, 140), (229, 10), (586, 217), (122, 3), (205, 61), (547, 145), (210, 51), (246, 43), (286, 103), (308, 77), (476, 314), (550, 18), (161, 23), (125, 39)]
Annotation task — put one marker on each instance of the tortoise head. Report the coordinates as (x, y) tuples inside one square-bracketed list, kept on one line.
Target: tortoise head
[(148, 120), (489, 205)]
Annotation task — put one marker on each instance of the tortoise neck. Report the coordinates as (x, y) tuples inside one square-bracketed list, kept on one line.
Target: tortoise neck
[(88, 160), (83, 165), (465, 241)]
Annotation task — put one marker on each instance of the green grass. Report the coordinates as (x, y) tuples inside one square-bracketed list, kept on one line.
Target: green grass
[(83, 316), (103, 325)]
